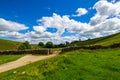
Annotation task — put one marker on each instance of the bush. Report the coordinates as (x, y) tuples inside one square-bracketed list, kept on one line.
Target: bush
[(49, 45), (41, 44), (24, 46)]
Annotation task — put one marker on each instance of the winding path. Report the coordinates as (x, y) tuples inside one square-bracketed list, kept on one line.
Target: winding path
[(24, 61)]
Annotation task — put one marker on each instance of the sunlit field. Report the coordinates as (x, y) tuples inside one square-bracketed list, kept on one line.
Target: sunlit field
[(74, 65)]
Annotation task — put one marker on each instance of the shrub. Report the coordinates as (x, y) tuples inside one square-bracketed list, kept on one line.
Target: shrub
[(24, 46), (41, 44), (49, 45)]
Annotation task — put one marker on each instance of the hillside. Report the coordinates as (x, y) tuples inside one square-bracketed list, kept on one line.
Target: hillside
[(12, 45), (8, 45), (107, 40)]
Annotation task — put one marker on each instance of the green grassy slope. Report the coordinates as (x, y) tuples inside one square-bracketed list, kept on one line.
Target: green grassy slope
[(75, 65), (8, 45), (102, 41), (12, 45)]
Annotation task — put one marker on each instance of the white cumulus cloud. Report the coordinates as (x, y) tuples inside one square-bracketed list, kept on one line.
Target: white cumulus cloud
[(11, 26), (39, 29), (104, 10), (80, 12), (63, 22), (105, 21)]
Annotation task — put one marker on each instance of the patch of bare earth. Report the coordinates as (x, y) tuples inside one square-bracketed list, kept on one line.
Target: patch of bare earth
[(24, 61)]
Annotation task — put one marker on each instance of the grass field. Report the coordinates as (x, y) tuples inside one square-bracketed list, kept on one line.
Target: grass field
[(8, 58), (75, 65)]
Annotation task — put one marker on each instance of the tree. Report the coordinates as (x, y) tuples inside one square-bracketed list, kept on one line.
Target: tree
[(61, 45), (40, 44), (49, 45), (67, 43), (24, 46)]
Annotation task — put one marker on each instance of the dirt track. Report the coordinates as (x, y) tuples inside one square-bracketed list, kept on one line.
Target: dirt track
[(23, 61)]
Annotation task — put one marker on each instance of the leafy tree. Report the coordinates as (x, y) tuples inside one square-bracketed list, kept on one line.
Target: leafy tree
[(49, 45), (24, 46), (62, 45), (67, 43), (56, 46), (40, 44)]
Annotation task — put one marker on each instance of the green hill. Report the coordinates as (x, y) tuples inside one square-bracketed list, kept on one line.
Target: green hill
[(107, 40), (8, 45), (12, 45)]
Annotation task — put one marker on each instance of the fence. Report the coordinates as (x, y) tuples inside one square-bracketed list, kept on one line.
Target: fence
[(66, 49), (94, 47), (15, 52)]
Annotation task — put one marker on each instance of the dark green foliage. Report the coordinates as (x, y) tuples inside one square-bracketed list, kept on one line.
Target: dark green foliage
[(59, 45), (67, 43), (41, 44), (49, 45), (24, 46), (62, 45)]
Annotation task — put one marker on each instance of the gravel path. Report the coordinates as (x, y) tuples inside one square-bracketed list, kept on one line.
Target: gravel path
[(23, 61)]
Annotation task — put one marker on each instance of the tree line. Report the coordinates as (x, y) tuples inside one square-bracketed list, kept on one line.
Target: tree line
[(27, 45)]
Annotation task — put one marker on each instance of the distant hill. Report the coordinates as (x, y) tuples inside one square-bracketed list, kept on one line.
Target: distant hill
[(13, 45), (107, 40), (8, 45)]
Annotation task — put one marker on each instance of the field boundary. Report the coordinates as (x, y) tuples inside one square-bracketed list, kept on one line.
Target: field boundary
[(92, 47), (50, 51), (17, 52)]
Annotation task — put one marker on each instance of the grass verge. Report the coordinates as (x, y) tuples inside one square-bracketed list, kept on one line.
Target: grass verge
[(8, 58)]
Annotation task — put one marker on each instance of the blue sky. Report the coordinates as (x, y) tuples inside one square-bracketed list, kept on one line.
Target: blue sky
[(28, 11), (57, 20)]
